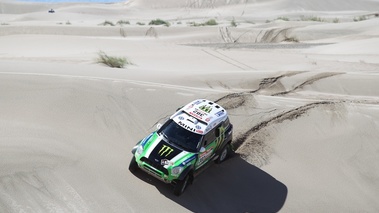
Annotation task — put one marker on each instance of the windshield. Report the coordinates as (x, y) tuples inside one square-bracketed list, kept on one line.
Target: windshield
[(179, 136)]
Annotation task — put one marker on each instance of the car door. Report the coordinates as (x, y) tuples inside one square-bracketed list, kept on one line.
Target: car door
[(209, 145)]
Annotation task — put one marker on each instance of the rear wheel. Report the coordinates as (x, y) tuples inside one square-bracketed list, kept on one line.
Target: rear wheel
[(181, 185), (133, 166), (224, 154)]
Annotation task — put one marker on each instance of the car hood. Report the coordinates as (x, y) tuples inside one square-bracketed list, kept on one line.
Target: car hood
[(160, 151)]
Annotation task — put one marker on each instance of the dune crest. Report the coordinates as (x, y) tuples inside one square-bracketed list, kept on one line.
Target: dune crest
[(299, 79)]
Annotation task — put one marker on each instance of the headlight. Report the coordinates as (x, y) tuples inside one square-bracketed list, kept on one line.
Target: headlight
[(139, 150), (177, 170)]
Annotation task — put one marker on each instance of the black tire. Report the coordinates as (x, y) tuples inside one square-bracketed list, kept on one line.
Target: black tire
[(133, 166), (223, 154), (181, 186)]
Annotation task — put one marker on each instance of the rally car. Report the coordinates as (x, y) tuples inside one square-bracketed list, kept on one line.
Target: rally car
[(195, 135)]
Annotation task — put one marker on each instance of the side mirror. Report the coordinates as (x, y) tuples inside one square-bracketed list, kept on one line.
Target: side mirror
[(159, 125), (179, 108), (202, 149)]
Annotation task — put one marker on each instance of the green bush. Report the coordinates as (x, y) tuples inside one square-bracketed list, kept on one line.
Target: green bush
[(291, 39), (140, 23), (233, 23), (122, 22), (283, 18), (211, 22), (312, 18), (159, 22), (111, 61), (360, 18)]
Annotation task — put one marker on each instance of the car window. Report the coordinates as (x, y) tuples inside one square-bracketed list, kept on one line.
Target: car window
[(226, 123), (209, 137), (181, 137)]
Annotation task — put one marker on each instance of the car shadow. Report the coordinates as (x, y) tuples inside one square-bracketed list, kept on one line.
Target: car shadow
[(233, 186)]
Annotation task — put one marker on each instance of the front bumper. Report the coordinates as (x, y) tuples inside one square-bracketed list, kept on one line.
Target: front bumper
[(155, 170)]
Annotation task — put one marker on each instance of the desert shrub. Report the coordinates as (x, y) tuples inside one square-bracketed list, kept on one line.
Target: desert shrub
[(111, 61), (194, 24), (68, 23), (283, 18), (336, 20), (159, 22), (211, 22), (312, 18), (233, 23), (360, 18), (267, 21), (140, 23), (106, 23), (122, 22), (291, 39)]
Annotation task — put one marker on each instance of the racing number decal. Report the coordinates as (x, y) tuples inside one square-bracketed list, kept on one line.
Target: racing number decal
[(165, 151), (204, 156)]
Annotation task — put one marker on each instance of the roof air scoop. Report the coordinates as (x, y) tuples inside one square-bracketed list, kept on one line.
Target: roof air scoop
[(193, 120)]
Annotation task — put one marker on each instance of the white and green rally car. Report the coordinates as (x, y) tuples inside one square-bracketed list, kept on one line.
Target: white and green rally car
[(196, 134)]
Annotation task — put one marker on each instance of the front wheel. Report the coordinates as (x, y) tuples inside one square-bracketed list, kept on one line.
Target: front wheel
[(181, 185), (133, 166)]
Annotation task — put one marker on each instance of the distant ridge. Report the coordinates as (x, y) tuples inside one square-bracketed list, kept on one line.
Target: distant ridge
[(287, 5), (187, 3)]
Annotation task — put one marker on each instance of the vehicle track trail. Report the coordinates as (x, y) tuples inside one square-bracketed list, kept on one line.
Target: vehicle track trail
[(249, 141), (288, 115), (309, 81), (238, 99)]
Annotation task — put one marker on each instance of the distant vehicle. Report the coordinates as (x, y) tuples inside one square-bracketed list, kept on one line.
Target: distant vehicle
[(197, 134), (51, 11)]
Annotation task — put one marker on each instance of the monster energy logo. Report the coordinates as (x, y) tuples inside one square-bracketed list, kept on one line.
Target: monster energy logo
[(221, 138), (206, 108), (165, 151)]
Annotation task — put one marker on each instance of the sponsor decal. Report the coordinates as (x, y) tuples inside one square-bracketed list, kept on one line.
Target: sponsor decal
[(198, 127), (204, 156), (188, 160), (185, 126), (218, 114), (221, 138), (200, 131), (197, 102), (190, 106), (166, 162), (181, 118), (208, 119), (165, 151), (198, 114), (145, 140), (193, 104), (206, 108)]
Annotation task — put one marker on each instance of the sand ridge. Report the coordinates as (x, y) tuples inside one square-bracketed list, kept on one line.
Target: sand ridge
[(305, 112)]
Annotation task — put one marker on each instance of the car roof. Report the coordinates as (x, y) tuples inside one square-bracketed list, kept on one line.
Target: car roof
[(200, 116)]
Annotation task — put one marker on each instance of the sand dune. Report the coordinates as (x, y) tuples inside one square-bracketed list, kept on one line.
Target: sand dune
[(305, 114)]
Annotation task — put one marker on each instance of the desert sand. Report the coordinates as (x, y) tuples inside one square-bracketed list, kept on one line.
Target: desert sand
[(299, 78)]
